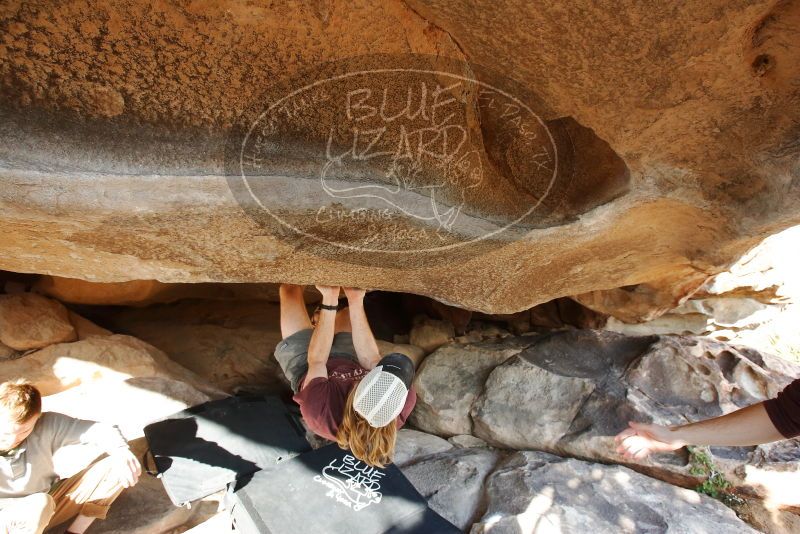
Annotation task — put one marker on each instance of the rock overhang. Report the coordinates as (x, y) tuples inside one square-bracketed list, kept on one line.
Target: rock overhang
[(116, 168)]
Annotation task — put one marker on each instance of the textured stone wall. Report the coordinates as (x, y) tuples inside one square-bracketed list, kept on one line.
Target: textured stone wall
[(652, 145)]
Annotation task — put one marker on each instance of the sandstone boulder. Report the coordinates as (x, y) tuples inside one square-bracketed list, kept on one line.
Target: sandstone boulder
[(228, 343), (415, 305), (430, 334), (484, 331), (467, 441), (521, 401), (416, 354), (77, 291), (116, 357), (450, 379), (651, 164), (571, 392), (534, 493), (635, 303), (147, 292), (413, 444), (84, 328), (29, 321), (7, 353), (767, 327), (766, 273), (756, 302), (556, 313), (453, 481), (130, 404)]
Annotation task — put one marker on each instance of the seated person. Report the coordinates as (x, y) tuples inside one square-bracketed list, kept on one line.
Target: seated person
[(765, 422), (347, 393), (31, 496)]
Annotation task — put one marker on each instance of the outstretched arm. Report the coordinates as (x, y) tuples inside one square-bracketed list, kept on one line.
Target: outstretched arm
[(748, 426), (363, 340), (319, 347)]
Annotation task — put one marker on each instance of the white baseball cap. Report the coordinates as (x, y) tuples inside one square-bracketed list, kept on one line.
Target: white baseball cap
[(381, 395)]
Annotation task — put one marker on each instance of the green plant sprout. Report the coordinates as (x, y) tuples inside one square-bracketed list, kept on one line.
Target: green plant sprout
[(715, 484)]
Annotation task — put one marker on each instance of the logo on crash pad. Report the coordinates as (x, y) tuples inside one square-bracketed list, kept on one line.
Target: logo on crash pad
[(351, 482), (393, 154)]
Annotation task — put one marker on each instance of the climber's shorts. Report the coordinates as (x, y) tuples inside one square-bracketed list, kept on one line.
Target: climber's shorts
[(292, 353)]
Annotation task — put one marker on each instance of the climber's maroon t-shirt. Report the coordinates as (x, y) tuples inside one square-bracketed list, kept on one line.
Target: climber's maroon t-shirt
[(784, 410), (322, 401)]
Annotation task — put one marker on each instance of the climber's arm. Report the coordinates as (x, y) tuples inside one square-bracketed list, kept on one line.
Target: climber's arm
[(363, 341), (319, 347)]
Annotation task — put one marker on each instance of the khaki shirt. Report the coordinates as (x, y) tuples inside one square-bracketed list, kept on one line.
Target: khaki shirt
[(29, 468)]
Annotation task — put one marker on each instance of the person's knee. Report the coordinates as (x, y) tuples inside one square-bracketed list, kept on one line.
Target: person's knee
[(42, 501), (38, 507)]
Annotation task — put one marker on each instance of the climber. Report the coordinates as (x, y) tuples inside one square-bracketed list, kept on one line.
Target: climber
[(347, 393), (765, 422), (32, 497)]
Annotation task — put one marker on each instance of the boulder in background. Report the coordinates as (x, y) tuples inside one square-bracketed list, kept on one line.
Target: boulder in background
[(66, 365), (537, 493), (29, 321)]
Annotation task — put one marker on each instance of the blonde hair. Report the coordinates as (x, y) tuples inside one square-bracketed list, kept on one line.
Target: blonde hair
[(20, 400), (374, 446)]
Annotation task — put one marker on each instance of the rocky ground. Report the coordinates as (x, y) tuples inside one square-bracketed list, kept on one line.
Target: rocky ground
[(514, 424)]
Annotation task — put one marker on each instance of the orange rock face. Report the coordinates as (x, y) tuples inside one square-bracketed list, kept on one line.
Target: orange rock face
[(62, 366), (32, 322), (492, 157)]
